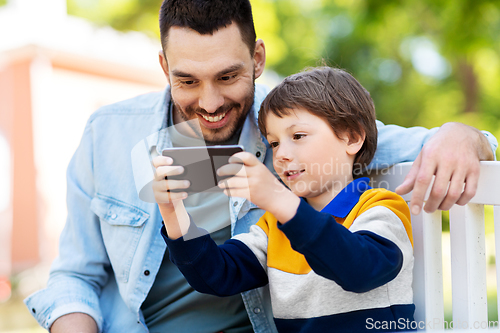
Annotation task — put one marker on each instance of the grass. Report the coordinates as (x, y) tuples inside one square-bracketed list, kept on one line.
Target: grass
[(15, 317)]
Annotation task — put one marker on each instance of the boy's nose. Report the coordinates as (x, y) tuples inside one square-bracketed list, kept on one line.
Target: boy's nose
[(283, 153), (210, 98)]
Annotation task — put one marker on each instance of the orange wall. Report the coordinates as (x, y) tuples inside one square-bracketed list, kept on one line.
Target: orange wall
[(16, 122), (38, 212)]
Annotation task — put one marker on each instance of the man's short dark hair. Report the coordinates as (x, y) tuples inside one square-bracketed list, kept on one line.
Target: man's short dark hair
[(207, 16), (331, 94)]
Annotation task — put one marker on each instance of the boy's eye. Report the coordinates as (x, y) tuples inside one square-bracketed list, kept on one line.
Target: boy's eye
[(298, 136), (274, 144)]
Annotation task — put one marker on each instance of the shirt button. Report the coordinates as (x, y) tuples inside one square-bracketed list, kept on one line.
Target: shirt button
[(256, 310), (257, 154), (146, 272), (114, 216), (235, 203)]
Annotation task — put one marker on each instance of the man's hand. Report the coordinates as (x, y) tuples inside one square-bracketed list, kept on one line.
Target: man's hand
[(452, 155), (256, 183), (170, 203), (74, 323)]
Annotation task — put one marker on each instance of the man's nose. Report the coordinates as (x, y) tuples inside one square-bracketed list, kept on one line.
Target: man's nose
[(210, 98)]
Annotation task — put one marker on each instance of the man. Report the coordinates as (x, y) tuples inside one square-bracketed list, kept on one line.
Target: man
[(113, 273)]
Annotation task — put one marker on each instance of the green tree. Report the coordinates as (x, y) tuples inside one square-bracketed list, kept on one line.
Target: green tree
[(424, 62)]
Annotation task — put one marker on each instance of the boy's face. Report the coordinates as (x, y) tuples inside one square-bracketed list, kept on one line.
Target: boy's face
[(310, 159)]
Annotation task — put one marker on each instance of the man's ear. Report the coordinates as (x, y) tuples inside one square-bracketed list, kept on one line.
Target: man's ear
[(354, 142), (259, 57), (163, 63)]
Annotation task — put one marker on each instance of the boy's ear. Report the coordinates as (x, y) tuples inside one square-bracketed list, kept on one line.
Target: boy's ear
[(354, 142)]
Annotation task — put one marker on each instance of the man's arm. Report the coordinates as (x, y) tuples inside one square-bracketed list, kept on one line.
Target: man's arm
[(79, 272), (74, 323), (452, 155)]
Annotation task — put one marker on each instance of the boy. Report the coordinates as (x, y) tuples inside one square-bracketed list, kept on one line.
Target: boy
[(337, 254)]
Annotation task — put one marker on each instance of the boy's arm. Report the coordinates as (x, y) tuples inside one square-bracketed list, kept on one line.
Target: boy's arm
[(226, 270), (170, 204), (223, 270), (358, 261)]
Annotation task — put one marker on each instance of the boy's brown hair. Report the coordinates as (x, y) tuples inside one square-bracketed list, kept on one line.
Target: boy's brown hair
[(331, 94)]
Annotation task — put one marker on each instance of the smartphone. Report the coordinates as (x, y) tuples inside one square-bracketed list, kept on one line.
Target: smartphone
[(200, 165)]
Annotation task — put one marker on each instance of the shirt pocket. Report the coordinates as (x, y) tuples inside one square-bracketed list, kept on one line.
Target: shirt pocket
[(121, 227)]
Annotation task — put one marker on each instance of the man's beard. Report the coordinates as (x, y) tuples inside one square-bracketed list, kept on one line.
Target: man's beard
[(225, 133)]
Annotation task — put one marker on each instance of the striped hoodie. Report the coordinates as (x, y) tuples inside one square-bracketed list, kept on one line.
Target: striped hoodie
[(343, 269)]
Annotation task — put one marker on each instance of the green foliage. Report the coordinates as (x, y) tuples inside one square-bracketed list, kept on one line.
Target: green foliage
[(124, 15), (424, 62)]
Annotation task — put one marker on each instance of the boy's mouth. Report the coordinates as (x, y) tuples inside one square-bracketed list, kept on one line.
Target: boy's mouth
[(292, 174)]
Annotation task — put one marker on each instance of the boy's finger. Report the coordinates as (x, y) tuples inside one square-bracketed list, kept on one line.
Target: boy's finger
[(165, 185), (230, 170), (240, 193), (244, 157), (162, 160), (168, 197), (172, 185), (165, 171), (234, 183)]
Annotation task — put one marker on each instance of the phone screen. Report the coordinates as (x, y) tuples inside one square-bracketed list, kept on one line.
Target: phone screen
[(200, 165)]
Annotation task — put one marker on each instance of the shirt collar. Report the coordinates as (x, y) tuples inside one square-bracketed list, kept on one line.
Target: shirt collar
[(346, 199)]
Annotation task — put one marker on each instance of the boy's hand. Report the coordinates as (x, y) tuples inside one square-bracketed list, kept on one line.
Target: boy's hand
[(256, 183), (170, 203), (162, 188)]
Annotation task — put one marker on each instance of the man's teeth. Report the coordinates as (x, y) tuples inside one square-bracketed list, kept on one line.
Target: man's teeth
[(291, 173), (214, 119)]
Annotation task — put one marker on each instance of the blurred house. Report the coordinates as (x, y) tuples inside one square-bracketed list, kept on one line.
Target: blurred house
[(55, 70)]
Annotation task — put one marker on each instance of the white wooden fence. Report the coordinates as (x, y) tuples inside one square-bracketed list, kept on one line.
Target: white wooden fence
[(468, 260)]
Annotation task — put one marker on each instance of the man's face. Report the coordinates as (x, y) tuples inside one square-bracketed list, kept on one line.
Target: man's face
[(212, 78)]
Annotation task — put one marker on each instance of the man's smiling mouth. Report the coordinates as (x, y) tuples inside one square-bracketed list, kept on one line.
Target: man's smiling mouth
[(214, 119)]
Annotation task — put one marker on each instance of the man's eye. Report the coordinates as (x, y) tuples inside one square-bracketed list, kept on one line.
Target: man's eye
[(227, 77), (189, 82)]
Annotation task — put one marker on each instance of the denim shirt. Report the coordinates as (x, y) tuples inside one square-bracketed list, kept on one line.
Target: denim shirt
[(111, 247)]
